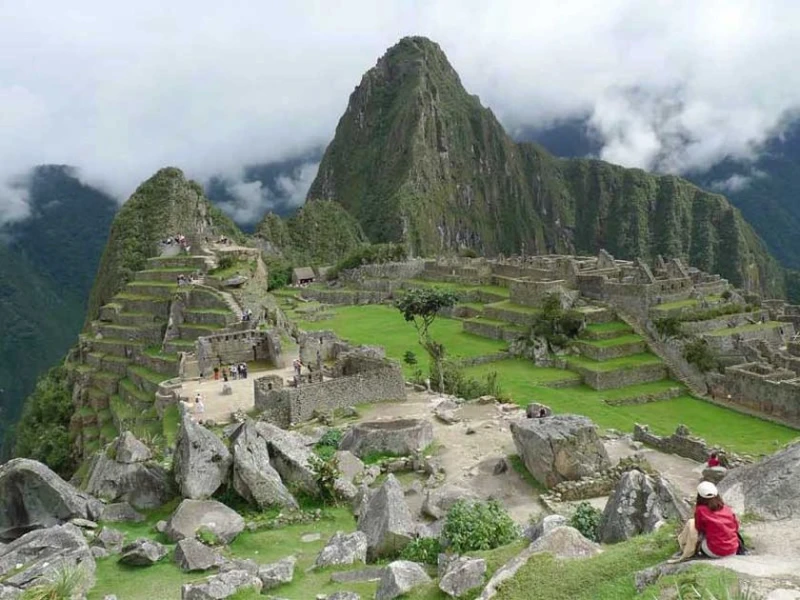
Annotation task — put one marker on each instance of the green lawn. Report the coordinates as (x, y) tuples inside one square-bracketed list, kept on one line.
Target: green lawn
[(727, 428), (461, 287), (384, 326), (615, 326), (614, 364)]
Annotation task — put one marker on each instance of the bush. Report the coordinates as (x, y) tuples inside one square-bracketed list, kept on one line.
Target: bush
[(468, 253), (699, 353), (422, 550), (279, 273), (64, 584), (328, 444), (587, 520), (225, 262), (326, 472), (208, 537), (410, 358), (471, 526), (459, 384), (669, 327), (556, 325)]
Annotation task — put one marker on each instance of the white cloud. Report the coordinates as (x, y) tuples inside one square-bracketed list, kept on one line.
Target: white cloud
[(120, 90), (736, 182)]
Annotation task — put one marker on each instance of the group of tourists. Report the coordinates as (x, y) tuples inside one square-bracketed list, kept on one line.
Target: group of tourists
[(232, 372), (184, 280), (179, 240), (247, 315)]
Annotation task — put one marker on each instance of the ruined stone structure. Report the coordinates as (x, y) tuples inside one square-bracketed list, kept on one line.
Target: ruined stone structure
[(683, 443), (235, 347)]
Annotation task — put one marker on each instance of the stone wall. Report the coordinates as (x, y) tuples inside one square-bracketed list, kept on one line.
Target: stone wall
[(771, 332), (490, 330), (226, 348), (609, 352), (603, 484), (516, 317), (363, 380), (772, 391), (340, 297), (697, 327), (606, 380), (532, 293), (409, 269), (684, 444)]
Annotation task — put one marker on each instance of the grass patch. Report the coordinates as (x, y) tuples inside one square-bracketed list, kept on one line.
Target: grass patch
[(667, 306), (360, 324), (615, 326), (147, 374), (170, 424), (616, 341), (616, 364), (517, 308), (131, 388), (719, 426), (156, 352), (460, 287)]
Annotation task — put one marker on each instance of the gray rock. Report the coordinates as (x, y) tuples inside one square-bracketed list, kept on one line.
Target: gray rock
[(462, 575), (141, 484), (42, 553), (290, 457), (130, 450), (220, 586), (10, 593), (120, 512), (350, 466), (161, 526), (278, 573), (439, 500), (110, 597), (343, 596), (202, 462), (649, 576), (109, 539), (345, 490), (191, 555), (400, 437), (254, 479), (565, 542), (714, 474), (310, 537), (544, 525), (445, 411), (240, 564), (343, 549), (192, 515), (640, 504), (400, 577), (386, 521), (84, 524), (98, 553), (143, 553), (768, 489), (559, 448), (443, 561), (357, 575), (34, 497)]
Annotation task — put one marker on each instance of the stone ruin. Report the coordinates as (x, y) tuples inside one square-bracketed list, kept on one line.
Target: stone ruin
[(683, 443)]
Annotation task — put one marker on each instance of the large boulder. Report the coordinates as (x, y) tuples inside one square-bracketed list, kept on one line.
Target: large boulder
[(640, 504), (462, 575), (192, 515), (44, 552), (559, 448), (769, 489), (399, 578), (202, 462), (290, 457), (130, 450), (141, 483), (565, 542), (109, 540), (398, 437), (386, 521), (439, 500), (278, 573), (343, 549), (714, 474), (350, 466), (33, 497), (221, 586), (143, 552), (544, 525), (254, 479), (191, 555), (120, 512)]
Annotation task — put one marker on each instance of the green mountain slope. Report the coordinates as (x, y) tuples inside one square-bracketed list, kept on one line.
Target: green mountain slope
[(417, 159)]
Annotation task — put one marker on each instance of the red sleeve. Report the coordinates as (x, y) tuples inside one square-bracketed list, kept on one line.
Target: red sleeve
[(699, 521)]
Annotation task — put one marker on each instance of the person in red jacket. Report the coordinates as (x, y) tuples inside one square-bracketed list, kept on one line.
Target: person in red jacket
[(713, 460), (714, 530)]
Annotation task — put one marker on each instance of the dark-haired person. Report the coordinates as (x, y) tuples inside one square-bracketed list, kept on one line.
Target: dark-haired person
[(714, 530), (713, 460)]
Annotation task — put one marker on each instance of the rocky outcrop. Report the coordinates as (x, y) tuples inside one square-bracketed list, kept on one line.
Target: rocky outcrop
[(125, 473), (191, 515), (41, 553), (290, 457), (109, 540), (386, 521), (343, 549), (33, 497), (120, 512), (254, 479), (714, 474), (278, 573), (544, 525), (221, 586), (202, 462), (439, 500), (398, 437), (399, 578), (769, 489), (559, 448), (462, 575), (640, 504), (565, 542), (192, 555), (143, 553), (350, 466)]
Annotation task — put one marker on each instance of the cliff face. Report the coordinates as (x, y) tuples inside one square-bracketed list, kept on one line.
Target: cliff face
[(417, 159)]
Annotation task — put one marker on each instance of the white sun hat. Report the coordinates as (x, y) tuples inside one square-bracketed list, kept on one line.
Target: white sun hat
[(706, 489)]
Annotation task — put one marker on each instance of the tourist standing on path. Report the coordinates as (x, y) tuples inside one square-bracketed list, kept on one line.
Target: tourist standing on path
[(234, 369), (199, 407)]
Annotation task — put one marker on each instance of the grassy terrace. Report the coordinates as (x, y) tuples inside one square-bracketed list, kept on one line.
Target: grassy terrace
[(147, 374), (615, 364), (497, 323), (611, 326), (740, 433), (384, 326), (617, 341), (726, 331), (130, 296), (510, 306), (460, 287)]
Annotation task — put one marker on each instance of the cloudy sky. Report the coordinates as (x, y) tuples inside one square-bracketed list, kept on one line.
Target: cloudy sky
[(121, 89)]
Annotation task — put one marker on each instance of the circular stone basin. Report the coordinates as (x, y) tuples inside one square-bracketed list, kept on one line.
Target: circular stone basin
[(398, 437)]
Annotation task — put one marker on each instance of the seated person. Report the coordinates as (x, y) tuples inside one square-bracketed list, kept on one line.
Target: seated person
[(714, 530), (713, 460)]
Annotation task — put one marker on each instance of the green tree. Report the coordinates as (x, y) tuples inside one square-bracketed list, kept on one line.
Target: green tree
[(43, 431), (668, 327), (700, 354), (421, 307)]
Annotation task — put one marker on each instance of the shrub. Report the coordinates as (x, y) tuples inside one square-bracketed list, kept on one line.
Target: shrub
[(225, 262), (459, 384), (699, 353), (208, 537), (64, 584), (668, 327), (422, 550), (468, 253), (326, 472), (410, 358), (471, 526), (328, 443), (556, 325), (726, 295), (587, 520)]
